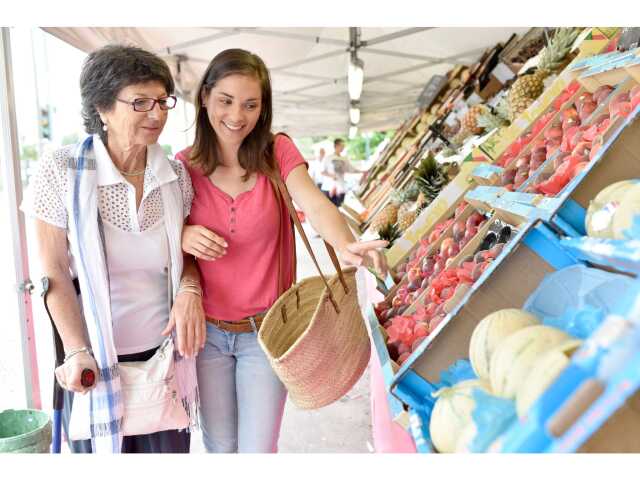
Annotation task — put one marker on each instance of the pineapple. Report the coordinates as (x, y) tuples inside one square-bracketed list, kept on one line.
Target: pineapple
[(490, 120), (470, 120), (529, 86), (406, 220), (389, 214), (389, 232), (430, 178)]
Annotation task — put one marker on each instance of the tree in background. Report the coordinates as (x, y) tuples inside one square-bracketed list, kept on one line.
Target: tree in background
[(357, 148)]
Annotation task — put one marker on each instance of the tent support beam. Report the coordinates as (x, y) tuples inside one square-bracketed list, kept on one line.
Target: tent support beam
[(23, 285)]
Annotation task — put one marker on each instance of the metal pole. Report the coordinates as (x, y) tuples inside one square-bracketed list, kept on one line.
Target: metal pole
[(11, 164)]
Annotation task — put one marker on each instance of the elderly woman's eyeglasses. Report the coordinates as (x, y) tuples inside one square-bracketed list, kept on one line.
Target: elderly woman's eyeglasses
[(148, 104)]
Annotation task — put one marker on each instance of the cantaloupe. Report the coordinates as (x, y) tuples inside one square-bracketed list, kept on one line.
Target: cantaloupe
[(545, 370), (492, 330), (514, 357), (452, 413), (627, 213), (599, 219)]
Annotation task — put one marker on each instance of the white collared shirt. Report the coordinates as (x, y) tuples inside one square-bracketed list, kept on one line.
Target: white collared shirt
[(135, 241)]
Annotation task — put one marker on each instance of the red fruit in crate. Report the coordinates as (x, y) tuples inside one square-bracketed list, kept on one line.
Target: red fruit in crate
[(553, 185), (404, 349), (433, 236), (416, 343), (462, 243), (514, 149), (569, 123), (511, 187), (554, 132), (582, 148), (587, 109), (527, 139), (474, 220), (435, 321), (602, 93), (584, 97), (458, 230), (421, 329), (446, 243), (470, 233), (573, 87), (447, 293), (522, 163), (413, 275), (521, 177), (570, 112), (413, 286), (427, 264), (559, 160), (603, 126), (590, 133), (397, 301), (460, 208), (453, 250), (535, 165), (496, 250), (403, 358), (578, 168), (425, 283), (438, 267), (507, 176), (623, 109)]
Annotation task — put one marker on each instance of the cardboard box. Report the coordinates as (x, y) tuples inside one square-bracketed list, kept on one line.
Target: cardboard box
[(442, 207)]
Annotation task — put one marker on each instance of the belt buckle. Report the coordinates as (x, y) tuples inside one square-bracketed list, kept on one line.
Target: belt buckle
[(252, 321)]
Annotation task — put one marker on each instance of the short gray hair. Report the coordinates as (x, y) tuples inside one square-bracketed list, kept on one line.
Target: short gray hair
[(110, 69)]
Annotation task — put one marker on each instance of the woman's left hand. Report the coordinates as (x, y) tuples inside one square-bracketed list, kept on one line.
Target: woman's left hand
[(187, 316), (366, 254)]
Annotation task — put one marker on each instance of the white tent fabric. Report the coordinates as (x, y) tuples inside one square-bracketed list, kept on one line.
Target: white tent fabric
[(308, 65)]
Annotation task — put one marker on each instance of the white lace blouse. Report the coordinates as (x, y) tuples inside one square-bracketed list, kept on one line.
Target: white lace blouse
[(135, 241)]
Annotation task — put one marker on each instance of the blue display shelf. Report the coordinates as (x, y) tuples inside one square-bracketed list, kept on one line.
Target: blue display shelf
[(622, 255), (611, 358)]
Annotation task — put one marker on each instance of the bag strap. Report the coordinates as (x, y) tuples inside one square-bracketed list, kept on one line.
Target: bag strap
[(284, 194)]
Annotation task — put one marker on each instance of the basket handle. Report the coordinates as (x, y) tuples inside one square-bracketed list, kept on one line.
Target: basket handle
[(284, 193)]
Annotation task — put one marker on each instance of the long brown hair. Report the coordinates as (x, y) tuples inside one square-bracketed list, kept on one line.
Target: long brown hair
[(255, 153)]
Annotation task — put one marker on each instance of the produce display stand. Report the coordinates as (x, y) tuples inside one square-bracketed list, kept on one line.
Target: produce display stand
[(594, 404)]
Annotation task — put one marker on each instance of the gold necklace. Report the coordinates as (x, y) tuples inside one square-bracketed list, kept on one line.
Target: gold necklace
[(133, 174)]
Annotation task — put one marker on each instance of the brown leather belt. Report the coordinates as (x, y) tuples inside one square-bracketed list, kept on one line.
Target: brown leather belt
[(240, 326)]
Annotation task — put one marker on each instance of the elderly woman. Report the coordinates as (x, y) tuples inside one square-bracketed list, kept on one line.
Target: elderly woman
[(109, 211)]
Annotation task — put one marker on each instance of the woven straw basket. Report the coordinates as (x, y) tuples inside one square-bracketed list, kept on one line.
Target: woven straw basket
[(317, 353)]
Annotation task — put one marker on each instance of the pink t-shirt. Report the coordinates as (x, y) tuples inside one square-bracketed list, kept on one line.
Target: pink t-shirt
[(243, 282)]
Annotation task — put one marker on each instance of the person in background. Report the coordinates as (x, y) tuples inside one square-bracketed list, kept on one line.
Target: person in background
[(335, 167), (316, 167)]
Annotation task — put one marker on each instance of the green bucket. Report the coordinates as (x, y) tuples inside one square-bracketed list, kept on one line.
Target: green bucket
[(24, 431)]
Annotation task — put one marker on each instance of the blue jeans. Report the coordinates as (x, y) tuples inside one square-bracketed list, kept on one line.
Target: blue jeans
[(241, 398)]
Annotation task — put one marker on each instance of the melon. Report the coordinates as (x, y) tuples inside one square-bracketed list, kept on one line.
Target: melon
[(626, 213), (599, 220), (452, 413), (546, 369), (466, 437), (488, 334), (514, 357)]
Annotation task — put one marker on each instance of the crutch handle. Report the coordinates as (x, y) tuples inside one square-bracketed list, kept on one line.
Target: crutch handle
[(87, 377)]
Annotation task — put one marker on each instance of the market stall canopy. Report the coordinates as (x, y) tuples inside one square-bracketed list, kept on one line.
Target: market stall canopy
[(309, 65)]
